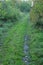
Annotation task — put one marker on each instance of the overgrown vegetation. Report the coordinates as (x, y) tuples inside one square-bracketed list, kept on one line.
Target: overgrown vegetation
[(8, 11), (36, 43), (24, 6), (14, 24), (37, 13)]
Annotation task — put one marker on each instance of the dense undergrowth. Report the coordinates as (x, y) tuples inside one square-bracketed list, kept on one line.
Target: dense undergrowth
[(12, 49), (12, 29), (36, 32), (36, 45), (36, 13), (14, 23)]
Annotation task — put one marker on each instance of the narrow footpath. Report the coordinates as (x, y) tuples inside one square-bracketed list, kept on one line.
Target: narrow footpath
[(26, 58)]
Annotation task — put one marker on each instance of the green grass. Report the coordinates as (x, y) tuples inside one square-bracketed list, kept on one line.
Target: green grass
[(36, 45), (12, 49)]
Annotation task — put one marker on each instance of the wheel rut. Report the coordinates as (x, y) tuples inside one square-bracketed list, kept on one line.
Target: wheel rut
[(26, 50)]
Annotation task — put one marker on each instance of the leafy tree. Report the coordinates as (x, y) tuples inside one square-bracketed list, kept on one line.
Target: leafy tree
[(37, 13), (8, 11), (23, 6)]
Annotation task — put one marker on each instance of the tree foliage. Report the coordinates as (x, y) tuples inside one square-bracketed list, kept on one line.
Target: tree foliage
[(24, 6), (8, 11), (37, 12)]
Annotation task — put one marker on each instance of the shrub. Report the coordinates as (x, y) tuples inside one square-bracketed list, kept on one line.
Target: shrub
[(23, 6), (36, 13), (8, 11)]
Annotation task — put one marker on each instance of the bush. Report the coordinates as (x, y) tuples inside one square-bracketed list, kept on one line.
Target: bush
[(36, 13), (3, 11), (23, 6), (8, 11)]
